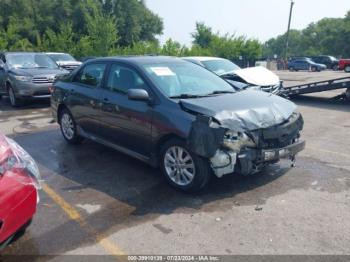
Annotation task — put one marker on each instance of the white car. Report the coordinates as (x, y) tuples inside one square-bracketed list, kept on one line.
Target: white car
[(65, 60), (240, 78)]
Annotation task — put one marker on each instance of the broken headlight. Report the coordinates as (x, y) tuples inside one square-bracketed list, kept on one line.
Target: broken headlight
[(237, 140), (22, 160)]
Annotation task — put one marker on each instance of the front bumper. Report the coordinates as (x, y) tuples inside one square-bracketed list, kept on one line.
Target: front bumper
[(284, 152), (250, 161), (32, 90)]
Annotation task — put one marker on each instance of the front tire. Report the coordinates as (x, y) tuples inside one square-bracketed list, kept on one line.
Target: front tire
[(347, 69), (14, 101), (183, 169), (68, 127)]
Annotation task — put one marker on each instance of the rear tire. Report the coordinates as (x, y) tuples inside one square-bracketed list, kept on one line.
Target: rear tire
[(347, 69), (68, 127), (314, 69), (335, 68), (183, 169)]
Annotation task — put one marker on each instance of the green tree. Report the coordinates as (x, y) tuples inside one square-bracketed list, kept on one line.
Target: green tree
[(203, 35), (101, 31)]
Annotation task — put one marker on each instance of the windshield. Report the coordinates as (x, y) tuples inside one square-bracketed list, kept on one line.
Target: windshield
[(30, 61), (182, 78), (220, 66), (61, 57)]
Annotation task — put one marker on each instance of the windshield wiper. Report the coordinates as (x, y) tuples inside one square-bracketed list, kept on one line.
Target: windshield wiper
[(221, 92), (184, 96)]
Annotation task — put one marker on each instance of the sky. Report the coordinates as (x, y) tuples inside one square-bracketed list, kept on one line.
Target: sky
[(261, 19)]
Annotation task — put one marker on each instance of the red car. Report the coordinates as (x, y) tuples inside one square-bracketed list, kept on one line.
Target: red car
[(344, 64), (19, 184)]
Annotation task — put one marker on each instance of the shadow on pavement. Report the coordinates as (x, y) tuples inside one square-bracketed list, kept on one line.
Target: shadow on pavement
[(5, 105), (335, 103), (140, 194)]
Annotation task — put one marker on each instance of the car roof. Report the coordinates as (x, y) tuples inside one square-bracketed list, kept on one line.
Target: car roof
[(20, 52), (55, 53), (203, 58), (140, 60)]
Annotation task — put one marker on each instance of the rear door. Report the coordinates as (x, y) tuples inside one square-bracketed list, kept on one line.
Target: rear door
[(125, 122), (304, 65), (85, 96)]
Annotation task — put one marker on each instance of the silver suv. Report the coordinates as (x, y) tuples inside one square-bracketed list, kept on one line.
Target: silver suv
[(65, 61), (27, 75)]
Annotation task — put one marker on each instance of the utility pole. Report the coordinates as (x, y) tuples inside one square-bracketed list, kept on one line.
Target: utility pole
[(287, 35)]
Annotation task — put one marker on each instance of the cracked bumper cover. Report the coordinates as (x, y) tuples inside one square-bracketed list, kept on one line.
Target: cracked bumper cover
[(248, 161)]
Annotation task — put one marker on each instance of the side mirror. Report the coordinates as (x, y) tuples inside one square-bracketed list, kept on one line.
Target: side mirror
[(138, 95)]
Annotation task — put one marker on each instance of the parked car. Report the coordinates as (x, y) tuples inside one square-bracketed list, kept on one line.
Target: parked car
[(305, 64), (176, 115), (86, 58), (241, 78), (27, 75), (330, 61), (344, 64), (19, 184), (65, 61)]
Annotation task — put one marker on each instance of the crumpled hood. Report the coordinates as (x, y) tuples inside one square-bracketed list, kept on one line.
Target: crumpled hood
[(244, 110), (259, 76)]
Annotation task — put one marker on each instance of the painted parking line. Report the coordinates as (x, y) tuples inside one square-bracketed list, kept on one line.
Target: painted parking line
[(73, 214), (329, 152)]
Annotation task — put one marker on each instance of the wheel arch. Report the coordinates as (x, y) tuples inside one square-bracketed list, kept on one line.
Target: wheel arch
[(165, 138), (59, 110)]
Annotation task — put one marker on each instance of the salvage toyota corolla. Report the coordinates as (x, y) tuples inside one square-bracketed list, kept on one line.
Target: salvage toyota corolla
[(176, 115)]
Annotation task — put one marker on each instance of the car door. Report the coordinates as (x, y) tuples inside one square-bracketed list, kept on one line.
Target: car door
[(85, 96), (298, 65), (2, 75), (126, 123), (304, 65)]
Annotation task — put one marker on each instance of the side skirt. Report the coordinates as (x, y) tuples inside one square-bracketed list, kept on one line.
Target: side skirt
[(149, 160)]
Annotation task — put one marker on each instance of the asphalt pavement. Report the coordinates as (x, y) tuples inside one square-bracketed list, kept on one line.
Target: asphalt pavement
[(97, 201)]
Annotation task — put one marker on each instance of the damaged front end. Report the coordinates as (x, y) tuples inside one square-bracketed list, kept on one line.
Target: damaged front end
[(243, 150)]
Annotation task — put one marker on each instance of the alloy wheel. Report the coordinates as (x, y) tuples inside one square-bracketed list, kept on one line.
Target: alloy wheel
[(67, 126), (179, 165)]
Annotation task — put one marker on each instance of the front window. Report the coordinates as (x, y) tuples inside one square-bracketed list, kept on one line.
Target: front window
[(30, 61), (91, 75), (62, 57), (180, 78), (220, 66), (121, 79)]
